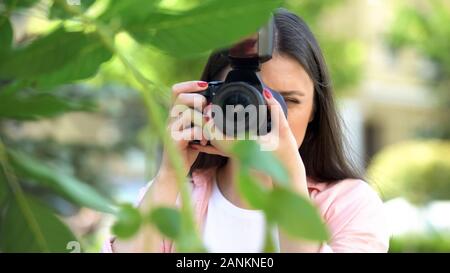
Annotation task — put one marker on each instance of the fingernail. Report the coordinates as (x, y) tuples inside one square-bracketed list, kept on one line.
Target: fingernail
[(202, 84), (267, 94), (206, 110), (193, 147)]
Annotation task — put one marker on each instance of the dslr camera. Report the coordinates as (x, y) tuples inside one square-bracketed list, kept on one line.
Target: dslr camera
[(242, 90)]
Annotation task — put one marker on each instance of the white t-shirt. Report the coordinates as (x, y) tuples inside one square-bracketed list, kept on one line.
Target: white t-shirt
[(229, 228)]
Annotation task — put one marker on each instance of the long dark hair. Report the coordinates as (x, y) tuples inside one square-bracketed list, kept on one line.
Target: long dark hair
[(322, 150)]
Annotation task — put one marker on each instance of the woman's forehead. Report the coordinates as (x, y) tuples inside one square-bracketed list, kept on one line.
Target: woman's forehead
[(285, 74)]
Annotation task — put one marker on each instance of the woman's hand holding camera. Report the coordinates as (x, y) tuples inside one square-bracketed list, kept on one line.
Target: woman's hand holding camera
[(190, 118), (286, 148), (280, 140), (185, 122)]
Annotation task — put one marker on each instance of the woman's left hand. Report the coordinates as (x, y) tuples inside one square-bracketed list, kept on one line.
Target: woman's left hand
[(283, 144)]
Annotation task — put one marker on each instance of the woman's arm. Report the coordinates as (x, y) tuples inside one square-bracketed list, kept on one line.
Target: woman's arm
[(288, 244), (185, 123), (162, 192), (355, 217)]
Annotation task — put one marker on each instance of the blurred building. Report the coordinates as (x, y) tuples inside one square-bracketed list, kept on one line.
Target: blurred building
[(393, 101)]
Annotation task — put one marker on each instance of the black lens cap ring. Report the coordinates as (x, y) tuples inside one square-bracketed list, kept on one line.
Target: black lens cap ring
[(245, 101)]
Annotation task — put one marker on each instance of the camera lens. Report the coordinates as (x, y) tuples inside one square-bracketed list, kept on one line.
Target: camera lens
[(240, 104), (237, 98)]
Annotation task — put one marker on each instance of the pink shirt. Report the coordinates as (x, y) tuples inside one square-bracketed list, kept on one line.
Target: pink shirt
[(351, 209)]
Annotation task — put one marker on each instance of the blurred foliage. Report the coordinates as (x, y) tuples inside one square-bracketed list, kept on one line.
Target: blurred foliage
[(84, 158), (344, 54), (280, 203), (17, 235), (44, 105), (40, 78), (168, 220), (420, 243), (128, 222), (416, 170), (425, 27)]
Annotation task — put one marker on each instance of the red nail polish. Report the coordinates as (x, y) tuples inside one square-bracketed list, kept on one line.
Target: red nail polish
[(202, 84), (193, 147), (267, 94)]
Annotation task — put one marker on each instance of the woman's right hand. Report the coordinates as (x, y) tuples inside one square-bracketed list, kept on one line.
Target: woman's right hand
[(186, 122)]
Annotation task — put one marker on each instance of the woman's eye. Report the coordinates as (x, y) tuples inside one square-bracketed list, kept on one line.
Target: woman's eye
[(292, 100)]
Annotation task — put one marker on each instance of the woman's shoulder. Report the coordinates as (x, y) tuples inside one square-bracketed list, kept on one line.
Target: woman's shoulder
[(347, 187), (350, 194), (354, 213)]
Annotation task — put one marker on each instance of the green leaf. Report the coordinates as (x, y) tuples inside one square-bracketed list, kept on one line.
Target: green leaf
[(6, 35), (85, 66), (16, 234), (255, 193), (129, 12), (12, 4), (42, 105), (50, 55), (214, 24), (188, 239), (58, 11), (128, 222), (70, 187), (168, 221), (295, 215), (269, 243), (3, 189), (250, 155)]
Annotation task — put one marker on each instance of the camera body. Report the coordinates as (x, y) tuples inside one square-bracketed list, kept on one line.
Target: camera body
[(242, 88)]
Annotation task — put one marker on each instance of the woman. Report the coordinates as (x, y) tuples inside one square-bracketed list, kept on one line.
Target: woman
[(310, 146)]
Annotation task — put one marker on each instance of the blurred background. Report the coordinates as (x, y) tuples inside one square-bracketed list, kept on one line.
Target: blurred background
[(390, 66)]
